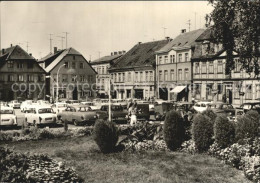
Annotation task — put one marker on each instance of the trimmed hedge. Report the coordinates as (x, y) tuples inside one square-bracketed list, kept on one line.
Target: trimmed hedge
[(224, 131), (173, 130), (211, 114), (202, 132), (105, 135)]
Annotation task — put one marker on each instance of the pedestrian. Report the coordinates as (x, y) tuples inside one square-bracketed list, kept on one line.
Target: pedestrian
[(133, 111)]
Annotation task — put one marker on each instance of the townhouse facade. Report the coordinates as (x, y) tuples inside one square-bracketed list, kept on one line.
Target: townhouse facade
[(69, 72), (133, 74), (174, 67), (210, 81), (21, 77), (101, 66)]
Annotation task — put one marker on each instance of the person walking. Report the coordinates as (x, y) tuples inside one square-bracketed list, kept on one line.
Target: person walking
[(133, 111)]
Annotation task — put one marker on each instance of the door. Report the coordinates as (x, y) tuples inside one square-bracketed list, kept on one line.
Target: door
[(75, 94), (230, 96)]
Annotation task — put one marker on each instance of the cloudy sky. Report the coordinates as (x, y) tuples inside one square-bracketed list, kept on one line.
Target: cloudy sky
[(96, 28)]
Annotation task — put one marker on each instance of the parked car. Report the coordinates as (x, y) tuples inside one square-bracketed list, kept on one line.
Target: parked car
[(38, 115), (26, 104), (201, 106), (118, 112), (160, 101), (78, 114), (151, 105), (160, 110), (14, 104), (183, 106), (2, 103), (73, 102), (43, 103), (8, 117), (143, 112), (59, 107), (223, 108), (251, 106)]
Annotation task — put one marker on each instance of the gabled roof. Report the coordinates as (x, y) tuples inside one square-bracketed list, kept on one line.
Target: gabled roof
[(140, 55), (206, 35), (184, 40), (55, 59), (16, 52), (105, 59)]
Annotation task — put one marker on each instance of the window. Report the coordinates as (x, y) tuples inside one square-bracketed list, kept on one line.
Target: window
[(248, 91), (172, 75), (160, 76), (257, 91), (129, 76), (165, 75), (236, 93), (186, 57), (74, 57), (180, 74), (19, 65), (186, 76), (103, 70), (73, 65), (30, 77), (180, 57), (10, 64), (166, 59), (29, 65), (64, 78), (115, 77), (209, 91), (170, 58), (211, 67), (141, 76), (151, 75), (204, 68), (66, 65), (74, 78), (197, 68), (146, 76), (10, 77), (41, 78), (160, 60), (238, 65), (20, 77), (173, 58), (123, 75), (82, 78), (119, 77), (81, 65), (136, 76), (90, 78), (220, 66)]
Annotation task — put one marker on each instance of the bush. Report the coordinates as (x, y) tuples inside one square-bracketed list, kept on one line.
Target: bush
[(46, 134), (253, 115), (202, 132), (173, 130), (224, 131), (211, 114), (105, 135), (247, 127)]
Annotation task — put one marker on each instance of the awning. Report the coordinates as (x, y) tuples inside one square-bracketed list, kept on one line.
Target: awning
[(177, 89)]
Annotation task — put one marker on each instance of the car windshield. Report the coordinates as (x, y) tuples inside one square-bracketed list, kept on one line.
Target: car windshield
[(61, 105), (15, 101), (45, 110), (6, 111), (84, 109)]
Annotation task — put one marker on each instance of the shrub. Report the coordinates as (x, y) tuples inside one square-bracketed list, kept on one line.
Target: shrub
[(253, 115), (46, 134), (173, 130), (224, 131), (247, 127), (202, 132), (211, 114), (105, 135)]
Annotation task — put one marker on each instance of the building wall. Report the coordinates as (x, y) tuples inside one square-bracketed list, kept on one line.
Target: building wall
[(22, 79), (82, 79)]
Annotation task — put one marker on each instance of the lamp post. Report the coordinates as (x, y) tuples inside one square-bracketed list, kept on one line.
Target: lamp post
[(57, 89)]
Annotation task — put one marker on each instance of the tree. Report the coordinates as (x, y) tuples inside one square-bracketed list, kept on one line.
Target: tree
[(236, 25)]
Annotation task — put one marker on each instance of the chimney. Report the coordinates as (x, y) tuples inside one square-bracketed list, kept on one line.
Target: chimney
[(11, 45), (183, 30), (124, 51), (139, 42), (111, 53), (115, 53), (55, 49), (30, 54), (3, 51), (167, 38)]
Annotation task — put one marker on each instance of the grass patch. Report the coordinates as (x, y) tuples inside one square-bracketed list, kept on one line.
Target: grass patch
[(83, 154)]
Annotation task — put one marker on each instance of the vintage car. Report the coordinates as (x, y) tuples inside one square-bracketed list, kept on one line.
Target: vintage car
[(250, 106), (202, 106), (43, 103), (151, 105), (14, 104), (39, 115), (143, 112), (160, 110), (26, 105), (59, 107), (118, 112), (223, 108), (78, 114), (183, 106), (160, 101), (73, 102), (7, 116)]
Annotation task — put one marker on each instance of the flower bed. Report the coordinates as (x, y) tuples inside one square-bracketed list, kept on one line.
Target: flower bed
[(18, 167)]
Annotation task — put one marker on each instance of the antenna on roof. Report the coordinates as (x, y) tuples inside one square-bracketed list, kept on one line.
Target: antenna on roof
[(66, 33), (50, 43), (61, 41), (89, 57), (164, 28), (195, 19), (189, 24), (27, 46), (99, 54)]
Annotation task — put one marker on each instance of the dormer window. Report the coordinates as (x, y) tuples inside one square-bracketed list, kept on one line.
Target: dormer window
[(205, 47)]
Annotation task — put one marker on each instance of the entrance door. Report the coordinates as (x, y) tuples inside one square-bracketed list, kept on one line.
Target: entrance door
[(230, 96), (139, 93), (75, 94)]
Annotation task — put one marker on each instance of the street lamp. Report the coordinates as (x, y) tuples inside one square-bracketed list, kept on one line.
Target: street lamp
[(57, 91)]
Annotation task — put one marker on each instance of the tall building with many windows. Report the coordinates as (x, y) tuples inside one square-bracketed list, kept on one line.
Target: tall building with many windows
[(71, 73), (133, 74), (21, 77), (174, 68)]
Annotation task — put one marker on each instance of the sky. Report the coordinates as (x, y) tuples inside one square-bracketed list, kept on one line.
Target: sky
[(95, 28)]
